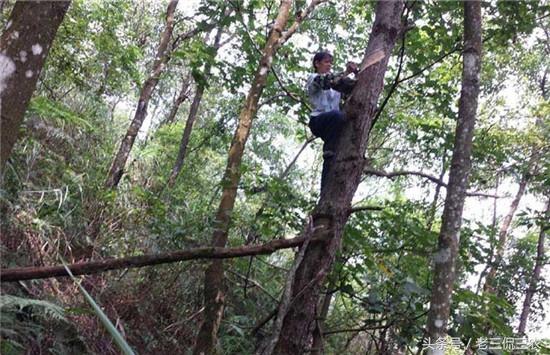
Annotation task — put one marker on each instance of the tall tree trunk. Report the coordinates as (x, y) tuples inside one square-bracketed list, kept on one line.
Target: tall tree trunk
[(444, 258), (182, 96), (24, 46), (504, 228), (193, 111), (535, 277), (343, 177), (213, 279), (161, 58)]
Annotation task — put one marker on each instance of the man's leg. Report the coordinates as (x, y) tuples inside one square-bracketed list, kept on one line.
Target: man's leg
[(328, 126), (334, 122)]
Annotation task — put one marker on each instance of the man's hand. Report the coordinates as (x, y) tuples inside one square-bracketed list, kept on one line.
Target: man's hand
[(351, 67)]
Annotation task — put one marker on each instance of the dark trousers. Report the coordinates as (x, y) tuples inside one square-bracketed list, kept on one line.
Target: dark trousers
[(327, 126)]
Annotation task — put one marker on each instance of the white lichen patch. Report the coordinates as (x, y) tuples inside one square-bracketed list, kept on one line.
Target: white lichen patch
[(442, 255), (36, 49), (23, 56), (438, 323), (263, 70), (7, 67), (28, 73)]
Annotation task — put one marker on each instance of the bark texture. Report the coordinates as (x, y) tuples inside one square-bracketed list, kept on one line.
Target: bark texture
[(193, 111), (24, 46), (445, 257), (119, 162), (535, 277), (343, 177), (214, 274)]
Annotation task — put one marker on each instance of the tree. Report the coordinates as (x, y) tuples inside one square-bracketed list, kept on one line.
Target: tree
[(535, 276), (213, 278), (193, 111), (447, 250), (343, 177), (161, 59), (507, 221), (24, 46)]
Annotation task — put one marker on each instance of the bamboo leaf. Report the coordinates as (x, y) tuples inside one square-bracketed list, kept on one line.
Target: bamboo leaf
[(117, 337)]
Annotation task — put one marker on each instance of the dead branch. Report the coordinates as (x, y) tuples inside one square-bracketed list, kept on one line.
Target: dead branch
[(433, 179), (94, 267)]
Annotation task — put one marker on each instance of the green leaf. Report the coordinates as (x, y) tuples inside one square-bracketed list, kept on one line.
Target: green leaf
[(115, 334)]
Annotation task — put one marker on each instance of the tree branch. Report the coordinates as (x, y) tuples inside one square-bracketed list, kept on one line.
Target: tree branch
[(93, 267), (349, 330), (435, 180), (396, 80), (365, 208), (299, 18), (289, 93)]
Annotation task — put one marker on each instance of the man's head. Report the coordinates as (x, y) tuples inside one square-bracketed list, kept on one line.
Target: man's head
[(322, 62)]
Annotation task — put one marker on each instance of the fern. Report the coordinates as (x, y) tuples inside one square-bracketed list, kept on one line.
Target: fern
[(58, 113), (9, 303)]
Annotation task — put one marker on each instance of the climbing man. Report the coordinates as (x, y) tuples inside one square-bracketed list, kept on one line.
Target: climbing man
[(325, 90)]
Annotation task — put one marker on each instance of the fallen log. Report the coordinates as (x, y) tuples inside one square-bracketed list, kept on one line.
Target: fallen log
[(97, 266)]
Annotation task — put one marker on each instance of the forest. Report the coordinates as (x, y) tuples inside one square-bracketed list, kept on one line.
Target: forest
[(162, 190)]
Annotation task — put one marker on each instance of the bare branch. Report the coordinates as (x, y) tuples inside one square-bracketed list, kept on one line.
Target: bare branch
[(289, 93), (365, 208), (253, 282), (94, 267), (350, 330), (435, 180)]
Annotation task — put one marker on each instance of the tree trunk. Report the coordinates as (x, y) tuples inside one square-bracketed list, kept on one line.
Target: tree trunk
[(213, 279), (503, 231), (318, 338), (24, 46), (191, 118), (505, 226), (535, 277), (343, 177), (444, 258), (161, 58), (433, 207), (182, 96)]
